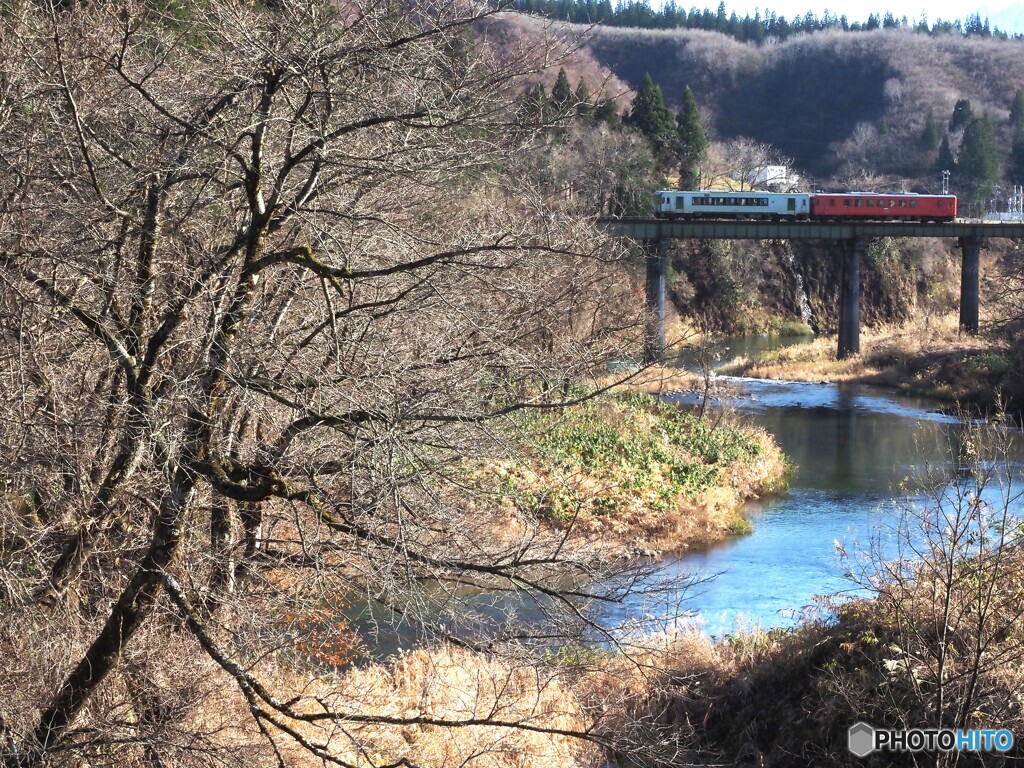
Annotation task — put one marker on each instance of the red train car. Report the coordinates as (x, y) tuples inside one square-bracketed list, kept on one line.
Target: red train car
[(864, 205)]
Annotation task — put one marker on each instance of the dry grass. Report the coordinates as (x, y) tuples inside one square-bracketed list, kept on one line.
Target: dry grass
[(927, 356), (457, 685), (618, 699), (626, 475), (444, 684), (659, 379)]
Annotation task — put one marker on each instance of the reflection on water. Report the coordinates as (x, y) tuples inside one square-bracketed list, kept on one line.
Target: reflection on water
[(853, 446), (738, 347)]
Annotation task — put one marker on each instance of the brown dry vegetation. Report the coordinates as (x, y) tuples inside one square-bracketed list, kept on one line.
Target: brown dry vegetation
[(525, 713), (628, 474), (813, 95), (938, 642), (506, 32), (270, 279), (927, 356)]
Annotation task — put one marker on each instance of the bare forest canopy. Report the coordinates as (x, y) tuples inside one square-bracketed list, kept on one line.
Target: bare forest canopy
[(849, 109), (274, 284), (770, 27)]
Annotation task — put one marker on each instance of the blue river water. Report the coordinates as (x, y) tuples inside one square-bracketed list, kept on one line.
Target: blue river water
[(855, 449)]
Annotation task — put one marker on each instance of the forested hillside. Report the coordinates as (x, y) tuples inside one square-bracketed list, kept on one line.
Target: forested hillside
[(840, 104)]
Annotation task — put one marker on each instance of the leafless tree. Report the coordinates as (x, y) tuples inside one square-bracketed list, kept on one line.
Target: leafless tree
[(274, 288), (953, 593), (607, 170), (743, 160)]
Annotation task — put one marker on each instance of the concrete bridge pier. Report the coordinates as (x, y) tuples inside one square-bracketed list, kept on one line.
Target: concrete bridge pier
[(970, 248), (849, 298), (654, 331)]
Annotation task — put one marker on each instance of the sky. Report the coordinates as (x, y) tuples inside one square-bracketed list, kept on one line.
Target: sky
[(1008, 16)]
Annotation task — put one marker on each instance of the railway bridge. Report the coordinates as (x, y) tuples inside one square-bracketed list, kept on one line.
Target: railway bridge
[(849, 237)]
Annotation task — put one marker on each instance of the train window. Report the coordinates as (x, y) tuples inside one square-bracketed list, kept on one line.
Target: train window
[(940, 203), (832, 203), (913, 203), (846, 203), (871, 203), (903, 203), (679, 202)]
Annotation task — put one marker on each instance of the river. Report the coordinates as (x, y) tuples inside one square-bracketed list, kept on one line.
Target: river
[(852, 446)]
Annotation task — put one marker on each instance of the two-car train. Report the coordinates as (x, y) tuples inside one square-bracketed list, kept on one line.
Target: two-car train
[(779, 206)]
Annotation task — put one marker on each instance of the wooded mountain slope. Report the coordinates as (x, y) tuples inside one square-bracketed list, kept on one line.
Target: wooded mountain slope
[(829, 99)]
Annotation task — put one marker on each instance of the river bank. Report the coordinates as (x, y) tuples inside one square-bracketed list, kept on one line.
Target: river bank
[(925, 357), (773, 696), (632, 475)]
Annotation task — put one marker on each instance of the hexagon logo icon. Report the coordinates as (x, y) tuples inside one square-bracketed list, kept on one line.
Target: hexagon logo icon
[(861, 739)]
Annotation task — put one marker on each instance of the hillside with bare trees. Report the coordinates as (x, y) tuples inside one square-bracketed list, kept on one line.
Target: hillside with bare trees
[(841, 104)]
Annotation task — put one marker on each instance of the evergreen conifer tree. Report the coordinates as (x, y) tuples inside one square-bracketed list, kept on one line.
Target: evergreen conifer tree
[(930, 134), (653, 119), (561, 92), (535, 107), (978, 164), (1017, 112), (962, 114), (693, 142), (605, 111), (582, 96), (1015, 171), (945, 161)]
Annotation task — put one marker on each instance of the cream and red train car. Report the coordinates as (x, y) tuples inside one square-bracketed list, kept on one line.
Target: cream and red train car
[(822, 206)]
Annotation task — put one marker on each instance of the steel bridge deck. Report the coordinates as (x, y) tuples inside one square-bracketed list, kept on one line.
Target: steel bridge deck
[(680, 229)]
